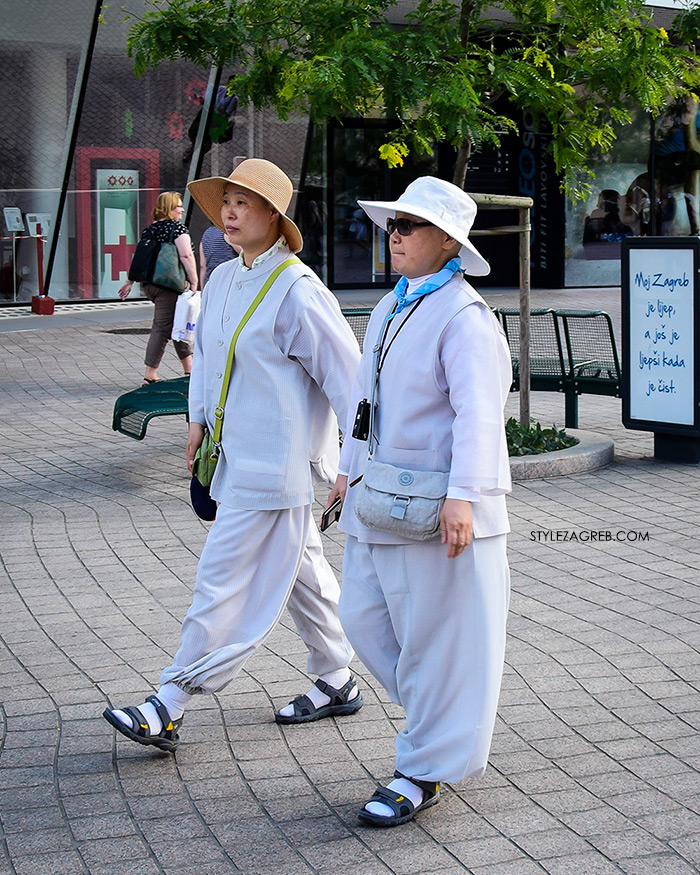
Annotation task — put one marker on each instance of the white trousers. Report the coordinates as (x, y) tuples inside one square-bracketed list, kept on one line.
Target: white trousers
[(432, 630), (253, 564)]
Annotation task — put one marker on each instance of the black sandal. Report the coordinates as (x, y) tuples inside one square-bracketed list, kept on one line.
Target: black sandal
[(404, 810), (167, 739), (305, 711)]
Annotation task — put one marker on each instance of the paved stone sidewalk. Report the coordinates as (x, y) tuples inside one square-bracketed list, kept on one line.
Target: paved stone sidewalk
[(594, 766)]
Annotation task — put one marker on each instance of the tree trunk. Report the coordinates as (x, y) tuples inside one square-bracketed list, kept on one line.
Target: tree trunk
[(465, 22), (465, 150), (462, 163)]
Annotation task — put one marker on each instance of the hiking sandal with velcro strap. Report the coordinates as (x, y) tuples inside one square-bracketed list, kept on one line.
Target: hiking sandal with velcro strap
[(404, 810), (305, 711), (168, 737)]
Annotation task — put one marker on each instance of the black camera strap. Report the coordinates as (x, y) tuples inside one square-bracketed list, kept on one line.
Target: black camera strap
[(379, 360), (385, 330)]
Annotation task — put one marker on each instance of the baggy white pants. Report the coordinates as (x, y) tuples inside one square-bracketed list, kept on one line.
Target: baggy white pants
[(432, 630), (253, 564)]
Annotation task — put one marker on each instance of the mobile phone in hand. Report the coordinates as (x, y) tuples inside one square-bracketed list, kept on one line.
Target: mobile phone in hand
[(331, 515)]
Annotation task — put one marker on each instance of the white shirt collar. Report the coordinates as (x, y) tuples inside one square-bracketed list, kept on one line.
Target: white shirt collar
[(261, 259), (417, 281)]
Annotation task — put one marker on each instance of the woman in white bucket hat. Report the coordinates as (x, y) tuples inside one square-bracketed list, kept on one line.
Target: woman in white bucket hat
[(294, 360), (428, 617), (441, 204)]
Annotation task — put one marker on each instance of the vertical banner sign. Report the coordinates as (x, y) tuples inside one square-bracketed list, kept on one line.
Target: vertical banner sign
[(538, 179), (117, 227), (659, 334)]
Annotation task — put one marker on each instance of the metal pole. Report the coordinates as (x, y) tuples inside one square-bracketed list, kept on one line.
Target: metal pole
[(652, 174), (204, 123), (524, 317), (14, 267), (40, 259), (523, 205)]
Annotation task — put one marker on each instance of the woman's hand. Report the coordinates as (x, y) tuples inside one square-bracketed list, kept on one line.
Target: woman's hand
[(125, 289), (456, 526), (195, 436), (338, 491)]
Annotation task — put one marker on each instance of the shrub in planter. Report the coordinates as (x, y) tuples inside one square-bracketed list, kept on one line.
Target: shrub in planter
[(534, 439)]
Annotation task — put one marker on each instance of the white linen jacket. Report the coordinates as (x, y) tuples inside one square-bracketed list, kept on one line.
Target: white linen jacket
[(442, 390), (294, 362)]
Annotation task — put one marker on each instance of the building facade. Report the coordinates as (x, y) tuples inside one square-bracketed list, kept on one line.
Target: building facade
[(87, 148)]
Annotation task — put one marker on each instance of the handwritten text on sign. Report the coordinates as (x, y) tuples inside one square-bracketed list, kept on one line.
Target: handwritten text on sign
[(661, 361)]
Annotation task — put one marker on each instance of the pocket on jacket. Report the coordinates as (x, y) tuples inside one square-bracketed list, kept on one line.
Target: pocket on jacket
[(261, 466)]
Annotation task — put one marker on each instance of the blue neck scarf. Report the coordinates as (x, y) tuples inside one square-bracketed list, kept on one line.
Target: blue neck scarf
[(436, 281)]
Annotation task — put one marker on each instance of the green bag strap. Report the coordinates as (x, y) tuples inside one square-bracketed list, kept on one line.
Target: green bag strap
[(219, 412)]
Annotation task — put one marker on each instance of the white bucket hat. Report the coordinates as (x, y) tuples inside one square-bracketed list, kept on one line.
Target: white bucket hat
[(444, 205)]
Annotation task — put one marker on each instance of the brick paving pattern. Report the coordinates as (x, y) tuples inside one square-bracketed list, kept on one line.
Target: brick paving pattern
[(594, 765)]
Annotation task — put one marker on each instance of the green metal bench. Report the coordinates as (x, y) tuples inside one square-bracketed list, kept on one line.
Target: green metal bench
[(571, 351), (358, 318), (589, 340), (134, 410), (547, 366)]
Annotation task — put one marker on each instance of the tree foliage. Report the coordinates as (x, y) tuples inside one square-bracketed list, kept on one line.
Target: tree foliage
[(445, 72)]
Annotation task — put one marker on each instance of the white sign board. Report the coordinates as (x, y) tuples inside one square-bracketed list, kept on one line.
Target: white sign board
[(661, 354), (38, 220), (13, 219)]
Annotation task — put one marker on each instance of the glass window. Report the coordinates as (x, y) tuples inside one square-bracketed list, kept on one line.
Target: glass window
[(41, 45), (358, 254), (134, 139), (677, 170), (617, 207), (623, 202)]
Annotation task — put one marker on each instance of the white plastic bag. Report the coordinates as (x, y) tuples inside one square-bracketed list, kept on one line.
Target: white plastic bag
[(186, 315)]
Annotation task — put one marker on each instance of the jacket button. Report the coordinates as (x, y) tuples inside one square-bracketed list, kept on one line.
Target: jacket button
[(218, 375), (239, 285)]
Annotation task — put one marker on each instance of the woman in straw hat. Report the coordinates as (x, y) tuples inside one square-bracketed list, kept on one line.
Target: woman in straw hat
[(294, 361), (428, 617)]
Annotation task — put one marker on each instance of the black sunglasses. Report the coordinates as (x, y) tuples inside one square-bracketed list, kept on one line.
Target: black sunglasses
[(404, 226)]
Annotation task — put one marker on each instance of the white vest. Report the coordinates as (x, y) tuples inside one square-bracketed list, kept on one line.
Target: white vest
[(414, 417), (277, 422)]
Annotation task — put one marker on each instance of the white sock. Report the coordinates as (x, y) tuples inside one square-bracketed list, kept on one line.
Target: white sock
[(150, 714), (173, 699), (335, 679), (403, 787)]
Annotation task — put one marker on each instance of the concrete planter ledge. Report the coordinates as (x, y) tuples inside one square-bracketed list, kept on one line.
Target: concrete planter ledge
[(591, 452)]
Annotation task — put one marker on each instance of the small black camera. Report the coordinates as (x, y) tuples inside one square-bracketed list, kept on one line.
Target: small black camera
[(360, 429)]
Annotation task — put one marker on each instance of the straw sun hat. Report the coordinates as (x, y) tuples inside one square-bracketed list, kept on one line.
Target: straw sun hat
[(259, 176), (442, 204)]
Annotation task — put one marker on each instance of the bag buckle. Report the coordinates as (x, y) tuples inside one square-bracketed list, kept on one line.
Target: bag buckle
[(400, 506), (219, 413), (215, 452)]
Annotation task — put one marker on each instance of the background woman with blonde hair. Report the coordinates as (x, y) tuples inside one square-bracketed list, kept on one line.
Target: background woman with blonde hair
[(167, 215)]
